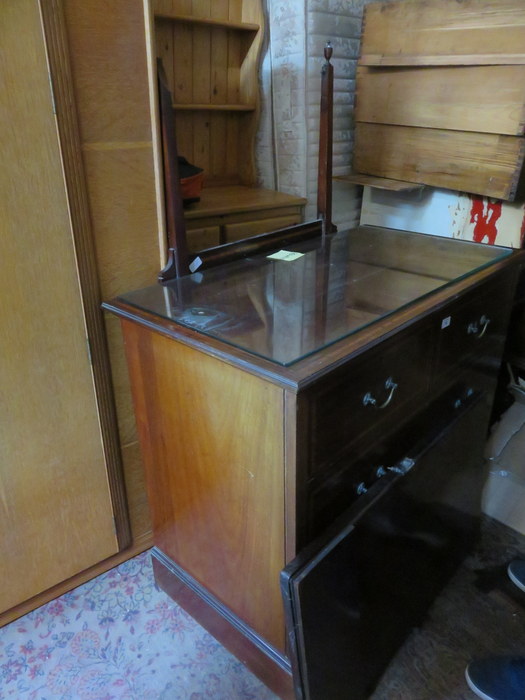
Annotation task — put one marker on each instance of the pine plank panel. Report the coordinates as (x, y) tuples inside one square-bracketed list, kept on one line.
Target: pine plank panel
[(233, 151), (201, 65), (54, 522), (218, 143), (482, 31), (219, 59), (220, 10), (201, 8), (164, 48), (184, 123), (233, 67), (201, 141), (219, 95), (182, 87), (181, 6), (486, 164), (488, 99), (237, 11)]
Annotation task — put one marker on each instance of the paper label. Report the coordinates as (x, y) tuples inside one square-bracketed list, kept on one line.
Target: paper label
[(195, 264), (286, 255)]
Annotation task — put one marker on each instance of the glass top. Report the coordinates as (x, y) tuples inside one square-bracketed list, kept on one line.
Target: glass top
[(287, 305)]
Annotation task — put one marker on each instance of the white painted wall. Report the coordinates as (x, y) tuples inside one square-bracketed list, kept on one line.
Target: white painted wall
[(446, 213)]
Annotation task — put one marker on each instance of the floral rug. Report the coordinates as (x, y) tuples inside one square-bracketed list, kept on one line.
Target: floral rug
[(118, 637)]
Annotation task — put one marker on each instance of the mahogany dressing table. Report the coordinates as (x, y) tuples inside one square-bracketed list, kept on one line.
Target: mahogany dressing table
[(312, 423)]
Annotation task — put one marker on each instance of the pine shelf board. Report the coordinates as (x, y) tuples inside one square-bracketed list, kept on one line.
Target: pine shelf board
[(236, 198), (381, 183), (191, 107), (492, 59), (205, 21)]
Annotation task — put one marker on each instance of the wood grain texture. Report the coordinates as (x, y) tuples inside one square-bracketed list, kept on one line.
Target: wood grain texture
[(213, 69), (51, 435), (236, 232), (434, 31), (110, 74), (486, 164), (380, 183), (139, 545), (212, 441), (489, 99), (53, 22), (237, 199)]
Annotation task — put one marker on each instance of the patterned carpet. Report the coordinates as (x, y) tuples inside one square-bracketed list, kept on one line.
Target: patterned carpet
[(118, 637)]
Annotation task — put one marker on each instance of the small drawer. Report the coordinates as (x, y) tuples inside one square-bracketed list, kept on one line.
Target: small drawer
[(246, 229), (201, 238), (377, 392), (473, 327), (461, 409)]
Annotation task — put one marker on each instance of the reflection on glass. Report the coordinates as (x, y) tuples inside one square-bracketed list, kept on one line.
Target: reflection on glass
[(284, 310)]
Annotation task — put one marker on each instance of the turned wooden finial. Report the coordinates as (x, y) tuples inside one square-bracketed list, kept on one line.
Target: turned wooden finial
[(324, 177)]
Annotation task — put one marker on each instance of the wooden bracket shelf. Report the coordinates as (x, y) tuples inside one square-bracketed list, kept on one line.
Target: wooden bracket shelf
[(225, 24), (381, 183), (395, 60), (213, 107)]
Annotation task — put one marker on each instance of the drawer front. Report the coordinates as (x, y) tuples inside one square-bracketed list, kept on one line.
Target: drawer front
[(246, 229), (377, 392), (473, 328), (201, 238), (353, 476)]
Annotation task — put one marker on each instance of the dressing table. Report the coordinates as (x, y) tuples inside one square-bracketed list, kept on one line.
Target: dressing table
[(312, 421)]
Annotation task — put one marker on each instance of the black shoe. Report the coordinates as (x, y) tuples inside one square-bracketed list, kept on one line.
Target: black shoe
[(497, 678), (516, 572)]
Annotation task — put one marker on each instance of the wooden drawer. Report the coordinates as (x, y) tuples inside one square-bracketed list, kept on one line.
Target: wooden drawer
[(204, 237), (475, 326), (352, 476), (245, 229), (374, 394)]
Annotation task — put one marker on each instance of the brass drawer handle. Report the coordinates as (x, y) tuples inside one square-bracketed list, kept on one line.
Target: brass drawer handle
[(473, 328), (369, 400)]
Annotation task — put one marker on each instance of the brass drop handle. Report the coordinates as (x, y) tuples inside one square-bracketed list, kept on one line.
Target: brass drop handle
[(473, 328), (369, 400)]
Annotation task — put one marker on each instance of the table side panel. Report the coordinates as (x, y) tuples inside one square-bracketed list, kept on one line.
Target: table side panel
[(212, 438)]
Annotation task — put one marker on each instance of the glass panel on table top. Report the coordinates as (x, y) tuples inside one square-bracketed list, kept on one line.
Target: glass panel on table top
[(290, 304)]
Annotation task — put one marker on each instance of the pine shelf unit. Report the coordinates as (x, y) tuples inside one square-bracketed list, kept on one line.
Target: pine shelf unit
[(210, 50)]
